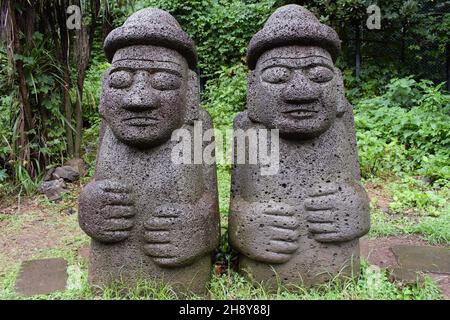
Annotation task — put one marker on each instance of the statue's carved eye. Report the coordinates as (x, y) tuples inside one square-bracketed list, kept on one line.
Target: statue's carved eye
[(120, 79), (319, 74), (276, 75), (166, 81)]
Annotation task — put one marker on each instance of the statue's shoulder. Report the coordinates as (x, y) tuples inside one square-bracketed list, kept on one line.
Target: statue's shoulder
[(205, 118), (242, 121)]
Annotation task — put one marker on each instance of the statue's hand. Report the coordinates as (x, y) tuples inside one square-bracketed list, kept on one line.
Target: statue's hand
[(105, 211), (338, 212), (176, 234), (266, 232)]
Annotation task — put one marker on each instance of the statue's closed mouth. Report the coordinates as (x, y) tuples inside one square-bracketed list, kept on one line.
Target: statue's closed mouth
[(139, 121), (301, 113)]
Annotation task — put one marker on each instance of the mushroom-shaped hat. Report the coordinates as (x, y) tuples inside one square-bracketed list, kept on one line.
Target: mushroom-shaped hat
[(292, 25), (151, 26)]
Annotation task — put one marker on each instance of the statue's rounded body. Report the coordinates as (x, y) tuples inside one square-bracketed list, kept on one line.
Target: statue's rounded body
[(150, 218), (299, 225)]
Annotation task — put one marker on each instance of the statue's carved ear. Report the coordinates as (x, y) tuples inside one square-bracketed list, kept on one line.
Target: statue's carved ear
[(251, 97), (342, 103), (192, 98)]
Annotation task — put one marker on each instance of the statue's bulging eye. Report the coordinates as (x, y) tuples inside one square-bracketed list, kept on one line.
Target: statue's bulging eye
[(320, 74), (276, 75), (166, 81), (120, 79)]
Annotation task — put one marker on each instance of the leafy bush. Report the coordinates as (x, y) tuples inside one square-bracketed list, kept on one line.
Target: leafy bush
[(226, 94), (405, 130), (413, 196), (221, 29), (371, 83)]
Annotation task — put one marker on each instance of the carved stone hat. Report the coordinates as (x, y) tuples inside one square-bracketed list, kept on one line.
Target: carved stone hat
[(151, 26), (292, 25)]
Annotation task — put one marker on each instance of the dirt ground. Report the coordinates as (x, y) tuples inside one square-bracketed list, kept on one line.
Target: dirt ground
[(32, 229)]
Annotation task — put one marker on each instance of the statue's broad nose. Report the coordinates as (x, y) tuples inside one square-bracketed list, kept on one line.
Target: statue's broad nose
[(300, 90), (141, 96)]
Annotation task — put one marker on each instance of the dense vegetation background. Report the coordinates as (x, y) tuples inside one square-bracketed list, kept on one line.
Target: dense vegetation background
[(50, 84), (50, 77)]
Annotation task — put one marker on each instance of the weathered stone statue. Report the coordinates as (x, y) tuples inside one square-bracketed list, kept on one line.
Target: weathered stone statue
[(150, 219), (302, 224)]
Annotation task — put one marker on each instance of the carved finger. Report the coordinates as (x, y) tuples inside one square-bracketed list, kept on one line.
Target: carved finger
[(320, 217), (113, 236), (324, 189), (168, 212), (328, 237), (274, 257), (327, 202), (119, 211), (118, 199), (285, 247), (159, 224), (119, 225), (284, 222), (284, 234), (159, 250), (279, 209), (114, 186), (322, 228), (167, 262), (157, 236)]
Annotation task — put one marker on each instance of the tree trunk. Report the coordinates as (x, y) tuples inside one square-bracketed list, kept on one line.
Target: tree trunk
[(26, 115), (447, 53), (83, 45), (358, 50), (64, 52)]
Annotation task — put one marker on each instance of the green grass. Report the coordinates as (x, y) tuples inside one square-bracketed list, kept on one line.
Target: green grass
[(224, 185), (435, 230), (373, 284), (416, 209), (412, 196)]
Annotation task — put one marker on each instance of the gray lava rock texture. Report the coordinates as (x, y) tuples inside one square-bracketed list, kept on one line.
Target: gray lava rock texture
[(68, 173), (78, 165), (301, 225), (150, 219), (53, 189)]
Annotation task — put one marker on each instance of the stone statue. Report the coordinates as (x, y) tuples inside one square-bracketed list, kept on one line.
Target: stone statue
[(150, 219), (302, 224)]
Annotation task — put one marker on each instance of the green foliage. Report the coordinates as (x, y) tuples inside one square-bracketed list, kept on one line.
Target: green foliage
[(407, 129), (3, 175), (384, 225), (413, 33), (226, 94), (92, 90), (416, 208), (435, 230), (222, 35), (413, 196), (91, 116), (26, 182), (371, 82), (46, 137), (221, 29)]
